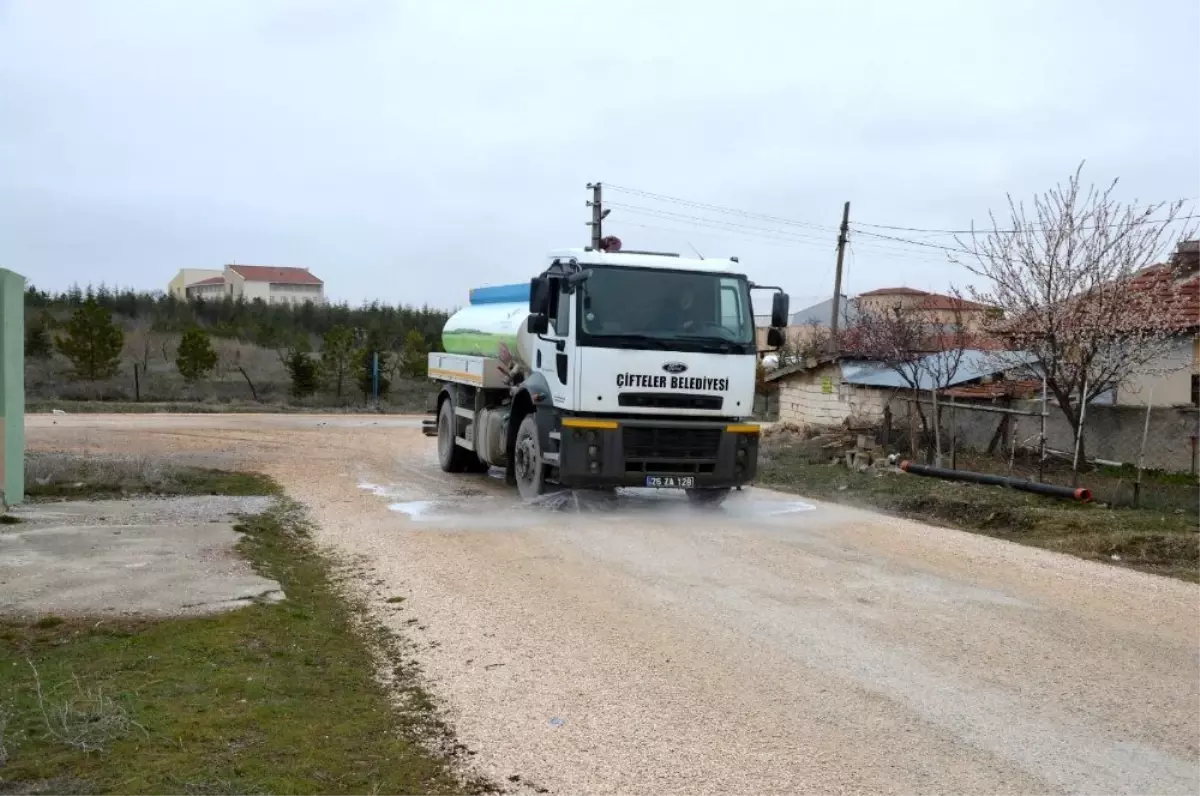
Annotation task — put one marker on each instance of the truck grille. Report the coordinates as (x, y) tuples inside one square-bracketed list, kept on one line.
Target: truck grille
[(657, 400), (652, 449)]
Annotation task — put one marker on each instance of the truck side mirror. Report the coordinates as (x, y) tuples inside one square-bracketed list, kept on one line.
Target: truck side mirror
[(539, 295), (779, 310), (774, 337), (537, 323)]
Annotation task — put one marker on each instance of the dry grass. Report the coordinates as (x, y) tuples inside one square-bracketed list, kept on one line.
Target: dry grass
[(51, 475), (86, 719)]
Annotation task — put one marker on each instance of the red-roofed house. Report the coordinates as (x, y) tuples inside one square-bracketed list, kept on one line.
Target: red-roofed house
[(212, 288), (1174, 288), (273, 284), (938, 308), (186, 277)]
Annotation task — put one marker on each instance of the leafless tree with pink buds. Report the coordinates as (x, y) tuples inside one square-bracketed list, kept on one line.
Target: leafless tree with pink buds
[(1073, 276)]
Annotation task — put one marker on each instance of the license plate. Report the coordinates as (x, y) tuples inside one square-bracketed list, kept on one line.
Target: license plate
[(670, 481)]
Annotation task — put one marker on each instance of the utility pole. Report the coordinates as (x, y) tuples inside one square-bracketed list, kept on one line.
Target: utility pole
[(597, 214), (843, 234)]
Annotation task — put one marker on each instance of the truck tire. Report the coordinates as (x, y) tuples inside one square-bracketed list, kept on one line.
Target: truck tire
[(707, 498), (451, 457), (528, 467)]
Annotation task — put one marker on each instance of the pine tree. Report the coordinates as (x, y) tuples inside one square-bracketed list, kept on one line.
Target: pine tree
[(92, 342), (38, 344), (414, 357), (337, 356), (196, 356), (304, 372)]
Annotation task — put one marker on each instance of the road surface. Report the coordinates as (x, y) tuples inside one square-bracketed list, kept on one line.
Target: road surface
[(777, 645)]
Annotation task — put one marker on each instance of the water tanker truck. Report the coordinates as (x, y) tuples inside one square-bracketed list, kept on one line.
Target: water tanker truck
[(608, 369)]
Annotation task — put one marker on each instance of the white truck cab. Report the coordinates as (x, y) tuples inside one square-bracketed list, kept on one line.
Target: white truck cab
[(622, 369)]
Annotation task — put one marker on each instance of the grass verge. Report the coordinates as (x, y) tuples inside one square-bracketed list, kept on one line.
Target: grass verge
[(279, 698), (1163, 538), (66, 475), (414, 405)]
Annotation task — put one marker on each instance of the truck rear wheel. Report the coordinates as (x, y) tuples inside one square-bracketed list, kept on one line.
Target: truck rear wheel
[(451, 457), (707, 498), (528, 466)]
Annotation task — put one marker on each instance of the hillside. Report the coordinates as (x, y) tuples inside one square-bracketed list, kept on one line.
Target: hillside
[(252, 341)]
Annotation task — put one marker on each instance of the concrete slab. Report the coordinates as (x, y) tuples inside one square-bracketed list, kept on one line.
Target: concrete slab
[(167, 557)]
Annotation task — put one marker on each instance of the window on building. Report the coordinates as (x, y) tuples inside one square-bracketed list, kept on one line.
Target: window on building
[(1196, 389)]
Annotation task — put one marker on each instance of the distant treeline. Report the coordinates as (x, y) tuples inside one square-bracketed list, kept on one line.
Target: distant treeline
[(268, 325)]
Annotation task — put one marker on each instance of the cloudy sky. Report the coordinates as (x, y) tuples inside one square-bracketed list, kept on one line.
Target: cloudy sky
[(406, 151)]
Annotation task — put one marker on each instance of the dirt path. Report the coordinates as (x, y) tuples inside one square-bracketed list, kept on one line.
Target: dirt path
[(774, 646)]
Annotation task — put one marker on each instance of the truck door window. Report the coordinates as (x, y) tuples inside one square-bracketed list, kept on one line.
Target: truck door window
[(733, 311), (560, 317)]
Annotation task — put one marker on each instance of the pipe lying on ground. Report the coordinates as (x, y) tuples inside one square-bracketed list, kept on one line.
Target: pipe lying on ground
[(1081, 494)]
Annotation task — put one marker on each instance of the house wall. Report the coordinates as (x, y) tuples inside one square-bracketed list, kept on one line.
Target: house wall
[(819, 398), (796, 336), (206, 292), (1170, 377), (296, 294), (188, 276), (972, 319), (254, 290)]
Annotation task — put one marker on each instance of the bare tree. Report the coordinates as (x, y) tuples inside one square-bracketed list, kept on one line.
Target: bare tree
[(139, 343), (925, 350), (1070, 275)]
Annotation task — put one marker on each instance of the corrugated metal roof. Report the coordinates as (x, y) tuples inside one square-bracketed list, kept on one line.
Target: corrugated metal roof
[(974, 364)]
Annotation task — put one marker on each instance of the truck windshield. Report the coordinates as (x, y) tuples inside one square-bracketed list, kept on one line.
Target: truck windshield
[(678, 306)]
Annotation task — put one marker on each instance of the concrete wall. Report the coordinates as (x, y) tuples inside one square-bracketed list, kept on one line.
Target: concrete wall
[(12, 387), (819, 398), (1110, 432)]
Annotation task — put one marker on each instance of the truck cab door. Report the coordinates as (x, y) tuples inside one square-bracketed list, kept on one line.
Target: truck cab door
[(556, 349)]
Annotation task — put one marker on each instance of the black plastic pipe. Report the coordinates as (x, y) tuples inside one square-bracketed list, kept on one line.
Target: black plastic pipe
[(1081, 494)]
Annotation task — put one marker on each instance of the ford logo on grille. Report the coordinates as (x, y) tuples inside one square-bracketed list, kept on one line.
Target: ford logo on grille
[(674, 367)]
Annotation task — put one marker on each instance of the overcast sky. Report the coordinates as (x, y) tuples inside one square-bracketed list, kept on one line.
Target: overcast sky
[(408, 151)]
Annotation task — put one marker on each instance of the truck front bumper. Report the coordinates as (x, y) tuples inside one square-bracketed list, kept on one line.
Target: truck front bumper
[(701, 454)]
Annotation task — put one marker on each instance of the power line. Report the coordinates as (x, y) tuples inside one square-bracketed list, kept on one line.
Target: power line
[(985, 230), (783, 243), (687, 218), (721, 209), (955, 249), (759, 234)]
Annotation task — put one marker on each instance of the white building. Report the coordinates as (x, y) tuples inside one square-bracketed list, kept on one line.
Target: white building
[(272, 284), (187, 277)]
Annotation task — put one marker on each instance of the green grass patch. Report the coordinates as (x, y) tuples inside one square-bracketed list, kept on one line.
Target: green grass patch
[(1163, 537), (279, 698)]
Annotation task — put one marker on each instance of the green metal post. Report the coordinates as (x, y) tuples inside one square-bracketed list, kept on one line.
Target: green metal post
[(12, 387)]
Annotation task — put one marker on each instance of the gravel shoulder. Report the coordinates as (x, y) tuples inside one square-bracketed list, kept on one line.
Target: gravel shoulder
[(775, 646)]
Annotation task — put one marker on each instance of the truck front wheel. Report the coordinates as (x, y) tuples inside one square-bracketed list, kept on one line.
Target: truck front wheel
[(528, 468)]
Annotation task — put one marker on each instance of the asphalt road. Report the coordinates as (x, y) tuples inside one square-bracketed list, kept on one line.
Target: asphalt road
[(776, 645)]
